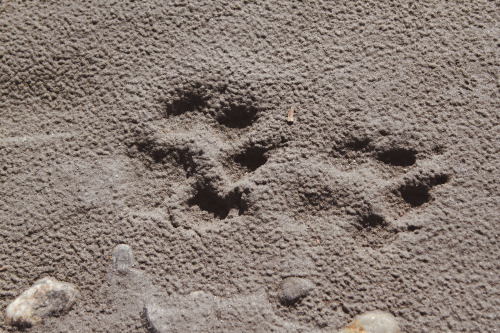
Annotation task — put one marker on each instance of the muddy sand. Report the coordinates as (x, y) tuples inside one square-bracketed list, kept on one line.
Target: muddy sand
[(162, 125)]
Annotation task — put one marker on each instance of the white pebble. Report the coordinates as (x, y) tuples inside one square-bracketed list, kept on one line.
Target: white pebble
[(47, 297), (373, 322)]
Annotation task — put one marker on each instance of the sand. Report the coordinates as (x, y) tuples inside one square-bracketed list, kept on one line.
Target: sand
[(162, 125)]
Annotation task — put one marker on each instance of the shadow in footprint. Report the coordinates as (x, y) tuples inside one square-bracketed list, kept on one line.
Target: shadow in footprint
[(237, 116), (161, 154), (252, 158), (417, 192), (358, 144), (209, 201), (398, 157), (189, 100), (374, 231), (371, 221)]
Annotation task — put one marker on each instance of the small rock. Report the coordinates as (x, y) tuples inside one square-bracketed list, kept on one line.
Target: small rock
[(47, 297), (293, 289), (123, 258), (373, 322)]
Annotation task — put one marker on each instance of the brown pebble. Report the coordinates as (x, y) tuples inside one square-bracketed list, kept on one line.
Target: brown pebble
[(293, 289)]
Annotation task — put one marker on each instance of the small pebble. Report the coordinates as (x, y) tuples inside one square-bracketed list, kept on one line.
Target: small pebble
[(123, 258), (373, 322), (293, 289), (47, 297)]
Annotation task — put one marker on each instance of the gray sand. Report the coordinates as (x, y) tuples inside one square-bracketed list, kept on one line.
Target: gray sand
[(163, 126)]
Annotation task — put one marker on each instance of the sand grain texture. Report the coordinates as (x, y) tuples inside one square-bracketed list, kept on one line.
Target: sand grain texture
[(162, 125)]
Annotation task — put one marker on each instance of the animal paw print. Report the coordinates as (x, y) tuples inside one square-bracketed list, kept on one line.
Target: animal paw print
[(228, 109), (206, 134), (205, 148), (409, 178)]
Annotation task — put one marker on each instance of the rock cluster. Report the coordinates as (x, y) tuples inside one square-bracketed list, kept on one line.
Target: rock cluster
[(131, 291), (47, 297)]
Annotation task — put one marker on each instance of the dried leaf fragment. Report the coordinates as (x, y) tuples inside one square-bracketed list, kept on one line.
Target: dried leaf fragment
[(290, 119)]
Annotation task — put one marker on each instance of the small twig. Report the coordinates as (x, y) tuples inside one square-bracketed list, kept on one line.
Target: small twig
[(290, 119), (3, 268)]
